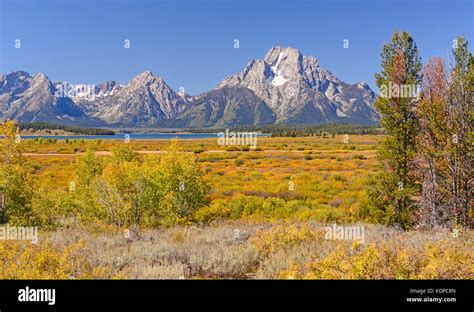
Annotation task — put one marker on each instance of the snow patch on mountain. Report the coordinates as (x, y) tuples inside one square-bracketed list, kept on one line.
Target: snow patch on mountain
[(278, 78)]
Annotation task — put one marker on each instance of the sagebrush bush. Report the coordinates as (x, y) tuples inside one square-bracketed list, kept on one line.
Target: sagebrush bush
[(284, 236), (383, 260), (25, 260), (239, 250)]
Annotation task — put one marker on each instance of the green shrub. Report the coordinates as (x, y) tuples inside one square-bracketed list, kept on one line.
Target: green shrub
[(238, 162), (231, 148)]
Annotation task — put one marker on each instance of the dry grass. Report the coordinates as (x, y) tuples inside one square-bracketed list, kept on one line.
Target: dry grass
[(268, 251)]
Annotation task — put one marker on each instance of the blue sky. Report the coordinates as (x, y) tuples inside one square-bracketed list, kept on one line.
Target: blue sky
[(190, 44)]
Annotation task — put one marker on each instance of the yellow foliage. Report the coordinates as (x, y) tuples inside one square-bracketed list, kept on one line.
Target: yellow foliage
[(25, 260), (381, 260), (447, 261), (282, 236)]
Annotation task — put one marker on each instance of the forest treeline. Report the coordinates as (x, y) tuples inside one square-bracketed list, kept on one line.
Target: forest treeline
[(323, 130), (37, 126)]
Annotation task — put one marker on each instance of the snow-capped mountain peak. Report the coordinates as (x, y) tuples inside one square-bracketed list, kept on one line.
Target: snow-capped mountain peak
[(296, 86), (285, 86)]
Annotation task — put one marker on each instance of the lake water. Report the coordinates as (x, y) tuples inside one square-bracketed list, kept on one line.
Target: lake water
[(133, 136)]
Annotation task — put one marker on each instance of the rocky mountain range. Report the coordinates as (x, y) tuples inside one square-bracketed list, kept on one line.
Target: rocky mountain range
[(285, 87)]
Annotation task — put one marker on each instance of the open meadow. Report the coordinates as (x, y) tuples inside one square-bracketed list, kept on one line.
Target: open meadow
[(302, 178), (267, 217)]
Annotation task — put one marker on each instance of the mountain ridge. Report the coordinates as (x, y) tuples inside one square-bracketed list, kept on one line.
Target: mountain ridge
[(285, 87)]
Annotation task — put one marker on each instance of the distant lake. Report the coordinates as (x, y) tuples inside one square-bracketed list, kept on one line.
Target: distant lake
[(133, 136)]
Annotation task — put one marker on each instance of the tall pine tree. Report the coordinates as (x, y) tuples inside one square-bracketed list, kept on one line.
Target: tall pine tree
[(392, 197)]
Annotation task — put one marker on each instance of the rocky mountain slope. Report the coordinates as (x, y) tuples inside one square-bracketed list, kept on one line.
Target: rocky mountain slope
[(33, 99), (298, 90), (283, 87)]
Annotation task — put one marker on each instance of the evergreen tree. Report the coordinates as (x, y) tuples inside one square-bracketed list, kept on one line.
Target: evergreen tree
[(392, 197)]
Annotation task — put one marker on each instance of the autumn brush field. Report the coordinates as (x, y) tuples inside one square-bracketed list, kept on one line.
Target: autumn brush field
[(265, 215)]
